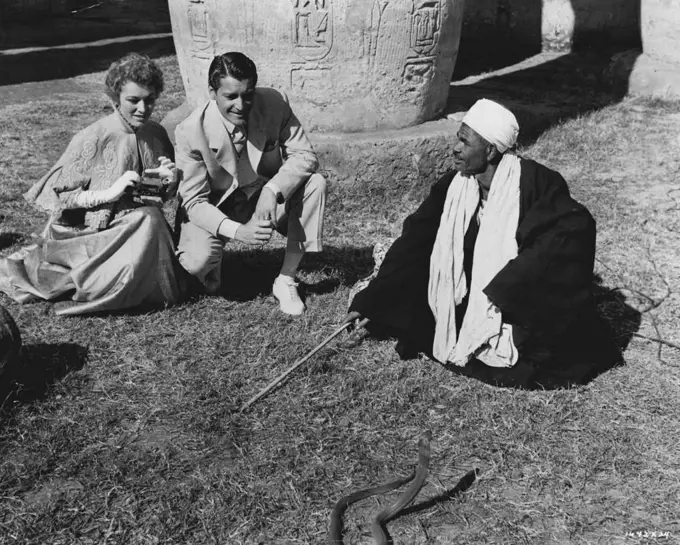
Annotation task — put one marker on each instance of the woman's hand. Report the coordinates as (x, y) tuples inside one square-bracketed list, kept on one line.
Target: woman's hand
[(167, 171), (120, 186)]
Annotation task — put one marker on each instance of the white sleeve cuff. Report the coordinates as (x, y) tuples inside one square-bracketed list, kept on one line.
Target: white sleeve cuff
[(227, 228)]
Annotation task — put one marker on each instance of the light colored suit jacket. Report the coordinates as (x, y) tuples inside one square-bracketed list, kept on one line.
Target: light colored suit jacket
[(278, 149)]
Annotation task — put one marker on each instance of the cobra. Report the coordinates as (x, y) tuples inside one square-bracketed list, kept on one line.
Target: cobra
[(417, 479)]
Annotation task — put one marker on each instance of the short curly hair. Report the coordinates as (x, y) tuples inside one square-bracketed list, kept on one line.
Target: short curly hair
[(134, 67)]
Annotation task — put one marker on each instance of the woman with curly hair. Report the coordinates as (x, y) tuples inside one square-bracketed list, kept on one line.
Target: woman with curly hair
[(107, 245)]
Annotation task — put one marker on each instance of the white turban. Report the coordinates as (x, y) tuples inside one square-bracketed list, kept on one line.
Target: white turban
[(496, 124)]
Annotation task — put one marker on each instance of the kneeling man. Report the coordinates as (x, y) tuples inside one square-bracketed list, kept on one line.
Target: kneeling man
[(248, 169), (492, 274)]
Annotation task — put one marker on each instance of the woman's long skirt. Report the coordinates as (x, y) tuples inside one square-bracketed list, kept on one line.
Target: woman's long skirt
[(131, 263)]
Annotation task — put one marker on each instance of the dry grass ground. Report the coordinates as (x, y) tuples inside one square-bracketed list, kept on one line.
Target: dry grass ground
[(124, 430)]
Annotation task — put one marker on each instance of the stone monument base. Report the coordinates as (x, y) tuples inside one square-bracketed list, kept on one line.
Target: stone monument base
[(382, 158), (654, 78)]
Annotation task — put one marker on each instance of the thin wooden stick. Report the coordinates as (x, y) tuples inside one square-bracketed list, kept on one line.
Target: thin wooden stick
[(298, 363), (661, 341)]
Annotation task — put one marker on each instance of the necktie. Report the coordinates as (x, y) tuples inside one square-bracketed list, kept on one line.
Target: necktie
[(238, 138)]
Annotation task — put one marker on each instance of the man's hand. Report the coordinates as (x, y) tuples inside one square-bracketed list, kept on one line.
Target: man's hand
[(256, 231), (352, 318), (266, 206)]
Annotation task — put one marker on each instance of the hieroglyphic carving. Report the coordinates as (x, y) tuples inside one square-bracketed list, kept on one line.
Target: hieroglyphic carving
[(426, 21), (417, 72), (311, 79), (425, 25), (374, 27), (201, 46), (247, 20), (312, 28), (198, 26)]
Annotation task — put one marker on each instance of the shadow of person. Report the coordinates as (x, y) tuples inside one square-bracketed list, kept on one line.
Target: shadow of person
[(37, 368), (249, 273), (10, 239)]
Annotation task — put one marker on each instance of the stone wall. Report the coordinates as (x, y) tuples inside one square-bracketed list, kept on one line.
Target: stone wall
[(556, 25)]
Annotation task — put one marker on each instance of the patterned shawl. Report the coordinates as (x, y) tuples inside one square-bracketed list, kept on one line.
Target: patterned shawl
[(96, 157)]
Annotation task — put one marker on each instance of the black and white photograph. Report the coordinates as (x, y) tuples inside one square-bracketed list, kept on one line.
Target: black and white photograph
[(326, 272)]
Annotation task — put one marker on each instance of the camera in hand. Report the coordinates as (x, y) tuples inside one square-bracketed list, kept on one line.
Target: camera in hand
[(148, 187)]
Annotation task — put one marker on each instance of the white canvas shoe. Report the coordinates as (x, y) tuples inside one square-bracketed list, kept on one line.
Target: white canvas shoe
[(285, 290)]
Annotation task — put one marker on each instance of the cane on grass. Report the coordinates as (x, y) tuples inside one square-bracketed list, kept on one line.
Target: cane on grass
[(298, 363)]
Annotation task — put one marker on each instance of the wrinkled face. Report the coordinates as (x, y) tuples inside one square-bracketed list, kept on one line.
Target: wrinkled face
[(470, 154), (136, 103), (234, 99)]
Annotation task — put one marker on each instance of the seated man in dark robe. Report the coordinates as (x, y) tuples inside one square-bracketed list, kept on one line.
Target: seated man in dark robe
[(492, 275)]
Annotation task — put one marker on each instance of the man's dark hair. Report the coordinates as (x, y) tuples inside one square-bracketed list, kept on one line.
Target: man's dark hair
[(234, 64)]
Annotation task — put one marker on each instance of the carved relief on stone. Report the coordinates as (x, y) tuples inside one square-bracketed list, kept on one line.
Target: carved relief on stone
[(350, 65), (374, 27), (312, 28), (247, 20), (425, 25), (417, 72), (198, 26), (426, 20), (310, 79)]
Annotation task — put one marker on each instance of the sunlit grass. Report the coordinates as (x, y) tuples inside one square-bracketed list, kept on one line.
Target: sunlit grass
[(136, 439)]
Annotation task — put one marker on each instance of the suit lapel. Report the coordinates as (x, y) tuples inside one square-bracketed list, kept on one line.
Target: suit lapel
[(256, 135), (218, 139)]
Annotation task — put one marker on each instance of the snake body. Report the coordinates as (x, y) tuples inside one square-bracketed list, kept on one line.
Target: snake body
[(417, 480)]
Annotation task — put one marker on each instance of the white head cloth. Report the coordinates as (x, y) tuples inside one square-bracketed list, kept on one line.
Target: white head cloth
[(496, 124)]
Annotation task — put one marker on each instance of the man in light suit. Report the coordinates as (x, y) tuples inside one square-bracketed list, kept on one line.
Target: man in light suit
[(248, 169)]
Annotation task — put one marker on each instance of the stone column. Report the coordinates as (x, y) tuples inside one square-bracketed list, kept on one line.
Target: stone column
[(657, 71), (346, 65)]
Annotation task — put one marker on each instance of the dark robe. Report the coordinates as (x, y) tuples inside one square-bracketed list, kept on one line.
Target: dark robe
[(545, 292)]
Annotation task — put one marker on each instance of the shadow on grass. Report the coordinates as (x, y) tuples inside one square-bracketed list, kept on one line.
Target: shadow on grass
[(248, 274), (548, 89), (39, 366), (623, 320), (549, 93), (9, 239), (42, 49), (54, 64)]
